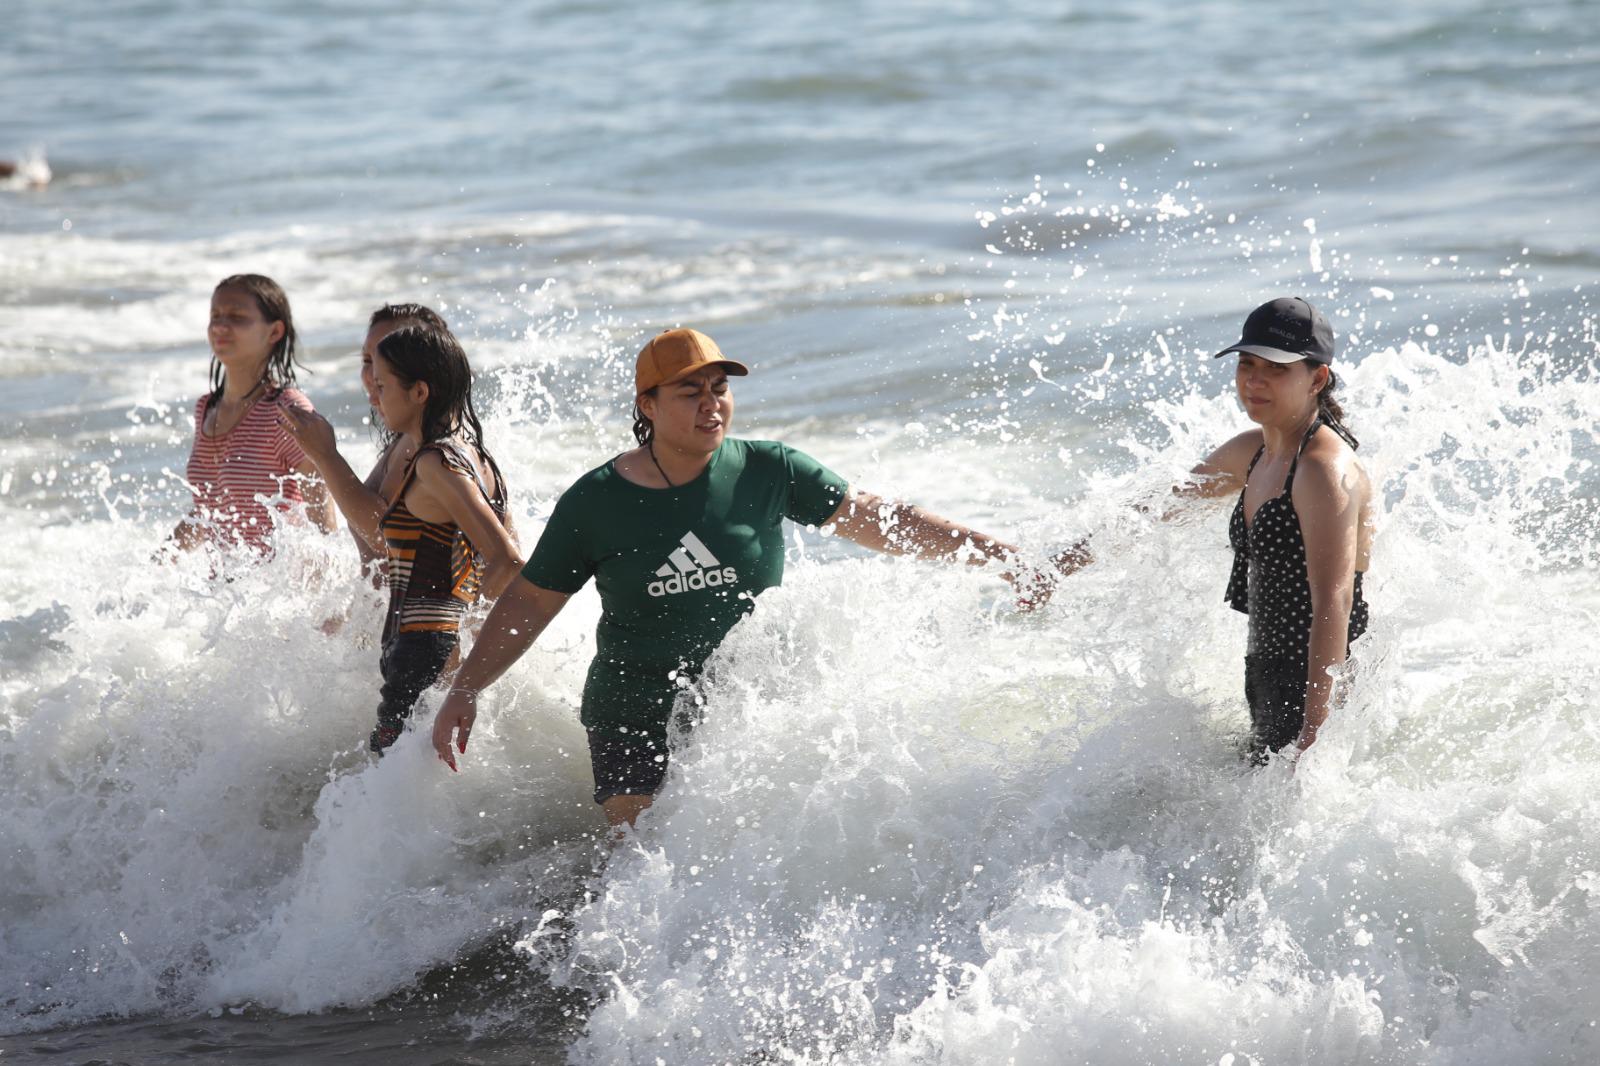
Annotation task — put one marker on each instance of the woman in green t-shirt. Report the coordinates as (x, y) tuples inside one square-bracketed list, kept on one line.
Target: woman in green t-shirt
[(680, 535)]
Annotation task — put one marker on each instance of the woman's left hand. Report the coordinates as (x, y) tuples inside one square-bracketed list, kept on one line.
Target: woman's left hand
[(310, 430)]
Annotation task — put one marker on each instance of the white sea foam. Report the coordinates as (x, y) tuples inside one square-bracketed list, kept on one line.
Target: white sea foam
[(917, 830), (914, 826)]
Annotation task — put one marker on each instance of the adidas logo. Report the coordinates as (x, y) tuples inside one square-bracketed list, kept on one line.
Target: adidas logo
[(691, 566)]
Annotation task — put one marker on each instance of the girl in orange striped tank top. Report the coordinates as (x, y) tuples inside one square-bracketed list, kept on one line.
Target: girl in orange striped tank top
[(446, 534)]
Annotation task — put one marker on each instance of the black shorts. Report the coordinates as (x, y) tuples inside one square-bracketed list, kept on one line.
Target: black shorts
[(410, 664), (632, 760), (1276, 691), (627, 763)]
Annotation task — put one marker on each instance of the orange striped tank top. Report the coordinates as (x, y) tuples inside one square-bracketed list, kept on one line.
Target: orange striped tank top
[(434, 570)]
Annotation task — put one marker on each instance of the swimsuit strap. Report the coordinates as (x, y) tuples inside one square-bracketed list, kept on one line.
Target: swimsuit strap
[(1294, 464), (450, 448), (447, 448), (497, 497), (1254, 459)]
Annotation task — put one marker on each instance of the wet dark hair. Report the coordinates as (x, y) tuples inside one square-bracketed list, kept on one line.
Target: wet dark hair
[(644, 430), (273, 304), (436, 358), (1332, 413), (409, 314), (417, 313)]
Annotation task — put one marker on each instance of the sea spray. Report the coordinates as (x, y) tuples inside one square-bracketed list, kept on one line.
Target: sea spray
[(922, 828), (914, 824)]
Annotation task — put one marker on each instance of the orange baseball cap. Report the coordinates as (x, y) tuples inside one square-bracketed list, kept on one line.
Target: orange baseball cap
[(677, 353)]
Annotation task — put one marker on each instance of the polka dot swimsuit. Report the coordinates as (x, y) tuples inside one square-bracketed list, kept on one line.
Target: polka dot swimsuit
[(1269, 583)]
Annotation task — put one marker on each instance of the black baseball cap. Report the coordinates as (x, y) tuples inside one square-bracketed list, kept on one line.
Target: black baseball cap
[(1285, 330)]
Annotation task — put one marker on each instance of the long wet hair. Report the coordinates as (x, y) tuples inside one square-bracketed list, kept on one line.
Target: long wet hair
[(436, 358), (1332, 413), (410, 315), (273, 304)]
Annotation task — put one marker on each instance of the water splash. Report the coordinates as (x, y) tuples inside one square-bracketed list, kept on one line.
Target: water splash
[(914, 826)]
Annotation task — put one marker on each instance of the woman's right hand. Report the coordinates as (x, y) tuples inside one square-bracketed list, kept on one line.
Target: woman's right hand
[(454, 722), (310, 430), (519, 616)]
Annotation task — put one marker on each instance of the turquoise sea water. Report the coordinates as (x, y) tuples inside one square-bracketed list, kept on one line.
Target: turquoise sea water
[(977, 255)]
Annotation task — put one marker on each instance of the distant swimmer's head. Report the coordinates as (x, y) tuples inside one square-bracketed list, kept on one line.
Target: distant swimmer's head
[(251, 331), (424, 384), (32, 171), (681, 393), (385, 320), (1285, 365)]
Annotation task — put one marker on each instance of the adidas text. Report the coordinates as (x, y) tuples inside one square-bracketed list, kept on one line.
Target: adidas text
[(694, 579)]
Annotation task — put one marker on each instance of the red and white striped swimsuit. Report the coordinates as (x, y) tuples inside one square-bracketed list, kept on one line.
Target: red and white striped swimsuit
[(233, 474)]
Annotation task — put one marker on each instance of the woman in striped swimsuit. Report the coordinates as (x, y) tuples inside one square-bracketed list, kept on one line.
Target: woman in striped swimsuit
[(242, 458), (444, 533)]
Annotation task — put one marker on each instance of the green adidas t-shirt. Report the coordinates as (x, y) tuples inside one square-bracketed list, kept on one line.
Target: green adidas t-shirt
[(675, 568)]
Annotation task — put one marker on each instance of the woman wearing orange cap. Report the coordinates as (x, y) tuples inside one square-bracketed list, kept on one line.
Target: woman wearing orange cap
[(680, 535)]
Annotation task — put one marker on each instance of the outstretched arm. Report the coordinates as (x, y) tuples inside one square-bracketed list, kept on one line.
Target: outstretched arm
[(362, 508), (520, 614), (1220, 474), (899, 528)]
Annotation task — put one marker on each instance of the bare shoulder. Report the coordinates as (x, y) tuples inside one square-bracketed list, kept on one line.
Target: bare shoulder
[(433, 469), (1224, 470), (1330, 465), (1237, 452)]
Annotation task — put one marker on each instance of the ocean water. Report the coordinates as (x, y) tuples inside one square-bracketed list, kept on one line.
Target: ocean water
[(978, 256)]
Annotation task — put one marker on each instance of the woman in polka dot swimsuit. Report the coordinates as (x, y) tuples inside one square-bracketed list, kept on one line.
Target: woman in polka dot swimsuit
[(1301, 531)]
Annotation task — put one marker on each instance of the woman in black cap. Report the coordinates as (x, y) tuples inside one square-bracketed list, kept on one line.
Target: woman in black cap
[(1302, 528), (680, 535)]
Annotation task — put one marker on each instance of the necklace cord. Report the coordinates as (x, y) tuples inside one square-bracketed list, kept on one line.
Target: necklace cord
[(651, 447)]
